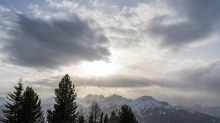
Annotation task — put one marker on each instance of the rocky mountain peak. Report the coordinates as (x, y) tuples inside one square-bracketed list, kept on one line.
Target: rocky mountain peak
[(115, 96), (146, 98)]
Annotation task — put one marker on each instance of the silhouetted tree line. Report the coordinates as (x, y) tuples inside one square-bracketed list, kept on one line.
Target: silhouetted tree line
[(25, 107)]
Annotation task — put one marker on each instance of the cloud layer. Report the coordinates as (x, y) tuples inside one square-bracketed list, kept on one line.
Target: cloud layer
[(150, 44), (40, 44)]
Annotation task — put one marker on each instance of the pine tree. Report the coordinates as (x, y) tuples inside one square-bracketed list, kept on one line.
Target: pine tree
[(12, 112), (106, 118), (101, 118), (95, 110), (65, 107), (114, 118), (126, 115), (81, 119), (91, 119), (112, 113), (31, 110)]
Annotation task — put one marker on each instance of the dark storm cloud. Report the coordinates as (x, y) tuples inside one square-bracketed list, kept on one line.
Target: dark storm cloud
[(202, 20), (41, 44)]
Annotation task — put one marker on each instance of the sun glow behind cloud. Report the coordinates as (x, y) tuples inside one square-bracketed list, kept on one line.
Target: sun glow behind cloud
[(98, 68)]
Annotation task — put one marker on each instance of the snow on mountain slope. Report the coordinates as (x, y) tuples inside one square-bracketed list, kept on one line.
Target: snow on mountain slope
[(141, 104), (3, 100), (145, 108), (147, 102), (113, 100)]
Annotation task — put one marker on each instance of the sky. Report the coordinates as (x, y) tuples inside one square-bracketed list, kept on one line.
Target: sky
[(167, 49)]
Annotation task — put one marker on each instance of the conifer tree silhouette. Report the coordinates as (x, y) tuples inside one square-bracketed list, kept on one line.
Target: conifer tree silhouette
[(15, 98), (106, 118), (31, 110), (65, 107), (126, 115)]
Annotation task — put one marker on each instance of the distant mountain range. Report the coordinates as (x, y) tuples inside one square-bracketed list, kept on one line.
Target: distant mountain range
[(145, 108), (210, 110)]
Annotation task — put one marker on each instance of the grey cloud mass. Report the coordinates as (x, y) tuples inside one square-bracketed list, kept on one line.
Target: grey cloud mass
[(202, 18), (40, 44)]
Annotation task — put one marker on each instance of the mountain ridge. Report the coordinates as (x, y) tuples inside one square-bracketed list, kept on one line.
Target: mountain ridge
[(145, 108)]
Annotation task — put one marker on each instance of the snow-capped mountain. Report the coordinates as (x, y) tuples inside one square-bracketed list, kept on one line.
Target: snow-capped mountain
[(113, 100), (149, 110), (146, 103), (145, 108)]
